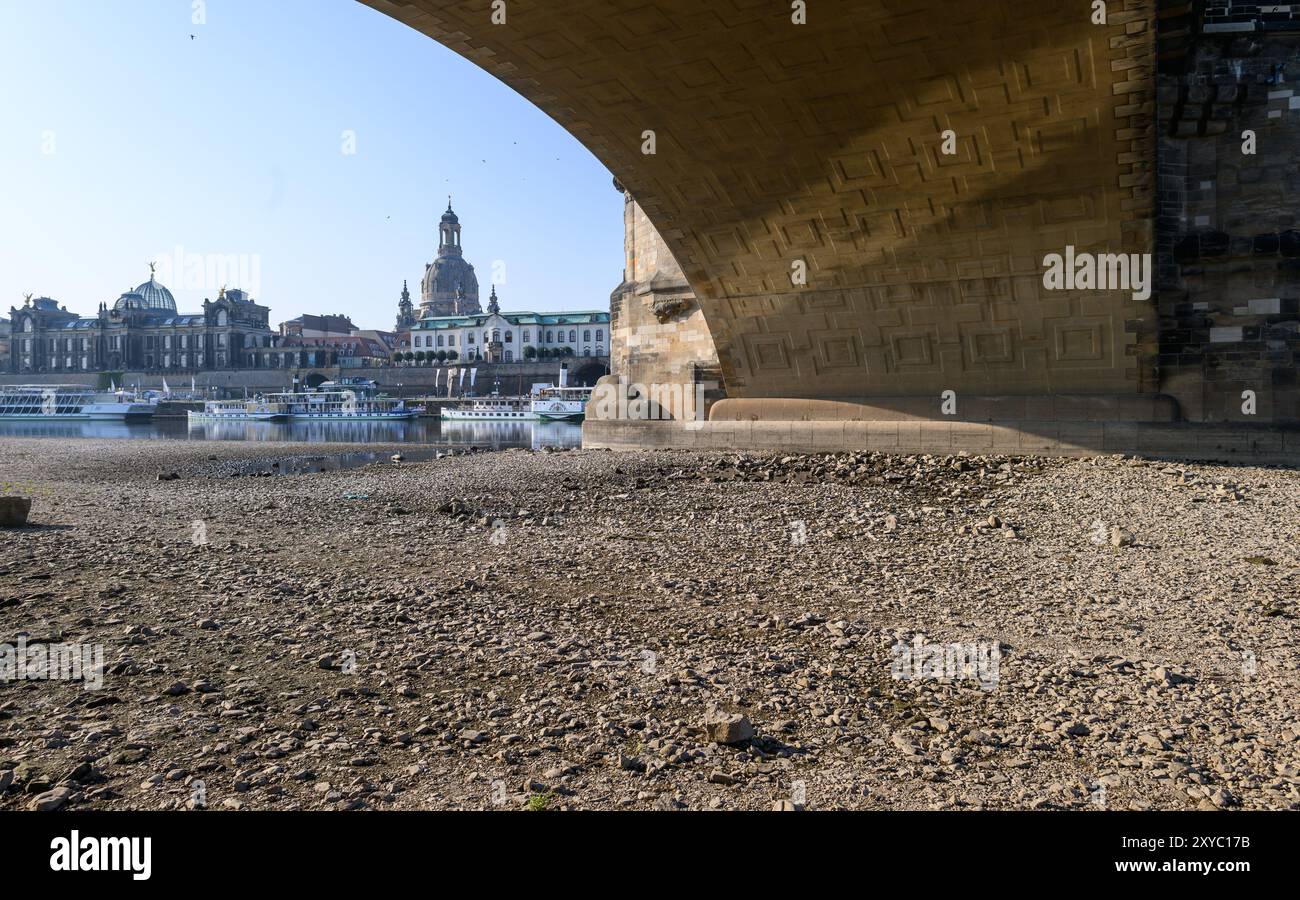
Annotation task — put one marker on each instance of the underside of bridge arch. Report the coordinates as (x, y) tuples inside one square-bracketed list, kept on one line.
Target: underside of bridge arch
[(780, 146)]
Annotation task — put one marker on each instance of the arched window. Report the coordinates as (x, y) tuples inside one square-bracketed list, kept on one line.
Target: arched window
[(510, 337), (550, 337), (496, 334), (528, 335), (573, 336), (485, 337), (439, 340), (586, 334), (600, 334), (510, 356)]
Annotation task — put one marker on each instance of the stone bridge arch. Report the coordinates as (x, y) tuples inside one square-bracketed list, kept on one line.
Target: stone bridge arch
[(821, 144), (778, 142)]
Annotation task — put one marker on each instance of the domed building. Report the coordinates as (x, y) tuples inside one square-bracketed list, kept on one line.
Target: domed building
[(449, 287), (150, 295), (140, 332)]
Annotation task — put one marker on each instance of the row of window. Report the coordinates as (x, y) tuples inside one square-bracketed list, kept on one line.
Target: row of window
[(68, 345), (182, 361), (509, 355), (527, 337)]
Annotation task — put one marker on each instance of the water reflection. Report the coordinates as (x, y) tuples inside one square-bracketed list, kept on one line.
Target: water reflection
[(360, 432), (497, 435), (74, 428), (512, 434)]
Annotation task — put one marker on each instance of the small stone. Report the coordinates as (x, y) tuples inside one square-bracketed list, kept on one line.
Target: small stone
[(904, 743), (1120, 537), (1222, 799), (1152, 742)]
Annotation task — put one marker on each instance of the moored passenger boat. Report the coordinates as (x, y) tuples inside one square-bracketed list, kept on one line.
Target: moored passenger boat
[(342, 405), (258, 410), (561, 404), (121, 405), (500, 409), (41, 401)]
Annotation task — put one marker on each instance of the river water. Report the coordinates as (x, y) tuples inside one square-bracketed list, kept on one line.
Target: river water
[(426, 431)]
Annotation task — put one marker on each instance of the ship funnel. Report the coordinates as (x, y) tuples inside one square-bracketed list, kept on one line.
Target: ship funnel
[(564, 375)]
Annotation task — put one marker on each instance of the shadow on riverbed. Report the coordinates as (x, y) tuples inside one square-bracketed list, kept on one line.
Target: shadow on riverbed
[(34, 526)]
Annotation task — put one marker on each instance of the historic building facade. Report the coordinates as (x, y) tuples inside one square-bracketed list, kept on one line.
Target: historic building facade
[(451, 322), (140, 331), (497, 337)]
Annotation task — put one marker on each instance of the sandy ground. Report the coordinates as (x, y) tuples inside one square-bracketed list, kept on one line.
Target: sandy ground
[(582, 629)]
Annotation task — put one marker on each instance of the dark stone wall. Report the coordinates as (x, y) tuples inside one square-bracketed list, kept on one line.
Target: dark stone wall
[(1228, 222)]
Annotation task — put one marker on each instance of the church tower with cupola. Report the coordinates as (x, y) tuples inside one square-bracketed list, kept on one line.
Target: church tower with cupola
[(405, 311), (449, 287)]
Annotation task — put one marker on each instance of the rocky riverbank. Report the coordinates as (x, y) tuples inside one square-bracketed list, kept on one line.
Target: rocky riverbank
[(651, 630)]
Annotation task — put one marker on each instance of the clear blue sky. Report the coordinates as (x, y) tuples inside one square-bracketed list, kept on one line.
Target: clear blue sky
[(121, 140)]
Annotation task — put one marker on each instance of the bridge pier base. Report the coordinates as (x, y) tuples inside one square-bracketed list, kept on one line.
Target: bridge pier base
[(1157, 437)]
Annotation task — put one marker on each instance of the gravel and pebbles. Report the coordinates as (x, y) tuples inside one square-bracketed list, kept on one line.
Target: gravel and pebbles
[(657, 630)]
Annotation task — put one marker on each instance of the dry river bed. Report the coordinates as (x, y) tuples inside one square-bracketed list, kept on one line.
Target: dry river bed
[(527, 630)]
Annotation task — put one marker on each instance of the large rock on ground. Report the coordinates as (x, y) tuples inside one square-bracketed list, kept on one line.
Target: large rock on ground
[(51, 801), (13, 511), (722, 728)]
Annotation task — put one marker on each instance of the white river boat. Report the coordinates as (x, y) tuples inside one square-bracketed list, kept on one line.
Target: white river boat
[(341, 405), (72, 401), (258, 410), (561, 404)]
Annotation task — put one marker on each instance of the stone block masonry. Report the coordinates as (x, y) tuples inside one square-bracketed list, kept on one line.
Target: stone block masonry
[(1229, 201)]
